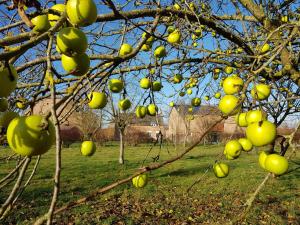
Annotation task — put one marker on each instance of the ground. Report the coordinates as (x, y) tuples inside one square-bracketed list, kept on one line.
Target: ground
[(165, 199)]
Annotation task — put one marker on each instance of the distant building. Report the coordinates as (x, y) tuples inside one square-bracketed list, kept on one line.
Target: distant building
[(185, 126)]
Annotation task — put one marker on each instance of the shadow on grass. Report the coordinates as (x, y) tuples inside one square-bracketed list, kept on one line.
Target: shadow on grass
[(186, 171)]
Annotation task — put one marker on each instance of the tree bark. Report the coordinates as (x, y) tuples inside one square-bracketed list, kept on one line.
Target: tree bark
[(122, 148)]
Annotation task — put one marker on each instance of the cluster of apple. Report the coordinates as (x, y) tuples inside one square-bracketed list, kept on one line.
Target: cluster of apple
[(259, 131), (34, 134), (8, 83), (26, 135)]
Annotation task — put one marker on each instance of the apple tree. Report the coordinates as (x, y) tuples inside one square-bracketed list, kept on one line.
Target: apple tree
[(232, 53)]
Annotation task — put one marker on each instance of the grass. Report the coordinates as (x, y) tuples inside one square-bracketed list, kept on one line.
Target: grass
[(164, 200)]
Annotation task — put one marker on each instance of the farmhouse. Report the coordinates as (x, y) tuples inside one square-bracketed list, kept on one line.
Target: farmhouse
[(185, 126)]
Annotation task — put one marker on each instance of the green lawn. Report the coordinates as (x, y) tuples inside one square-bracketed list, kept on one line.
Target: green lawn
[(165, 199)]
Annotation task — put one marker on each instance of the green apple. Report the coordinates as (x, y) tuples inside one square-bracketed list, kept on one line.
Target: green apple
[(21, 104), (228, 70), (115, 85), (81, 12), (261, 91), (232, 85), (254, 116), (3, 104), (233, 149), (177, 78), (172, 104), (156, 86), (149, 40), (30, 135), (124, 104), (262, 158), (146, 48), (174, 37), (246, 144), (265, 48), (125, 49), (77, 65), (160, 52), (228, 105), (140, 181), (276, 164), (196, 102), (141, 111), (218, 95), (145, 83), (88, 148), (6, 118), (52, 18), (198, 32), (8, 80), (241, 120), (261, 133), (170, 29), (71, 41), (221, 170), (152, 109), (98, 100), (206, 98), (41, 23), (176, 6)]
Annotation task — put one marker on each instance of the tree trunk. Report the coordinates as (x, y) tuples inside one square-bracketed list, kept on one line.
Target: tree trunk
[(121, 153)]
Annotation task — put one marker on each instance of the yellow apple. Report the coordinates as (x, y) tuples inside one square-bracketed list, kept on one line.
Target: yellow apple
[(125, 49), (160, 52), (233, 149), (52, 18), (152, 109), (115, 85), (174, 37), (98, 100), (261, 91), (241, 120), (265, 48), (30, 135), (41, 23), (8, 80), (253, 116), (145, 83), (141, 111), (262, 158), (140, 181), (228, 105), (189, 91), (221, 170), (228, 70), (124, 104), (77, 65), (88, 148), (218, 95), (261, 133), (177, 78), (81, 12), (276, 164), (232, 85), (246, 144), (196, 102), (71, 41), (156, 86)]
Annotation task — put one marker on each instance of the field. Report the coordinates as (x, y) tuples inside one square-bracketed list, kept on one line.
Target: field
[(165, 199)]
